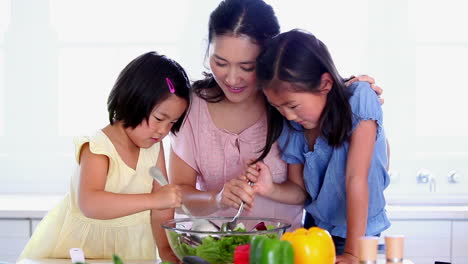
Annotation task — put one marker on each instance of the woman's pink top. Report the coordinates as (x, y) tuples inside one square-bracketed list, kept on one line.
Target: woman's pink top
[(218, 156)]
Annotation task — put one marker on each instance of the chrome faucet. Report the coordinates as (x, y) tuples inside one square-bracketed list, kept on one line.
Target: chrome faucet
[(432, 184), (454, 176), (424, 176)]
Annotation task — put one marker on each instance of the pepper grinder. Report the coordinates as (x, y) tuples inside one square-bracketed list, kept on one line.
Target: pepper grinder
[(394, 245), (368, 250)]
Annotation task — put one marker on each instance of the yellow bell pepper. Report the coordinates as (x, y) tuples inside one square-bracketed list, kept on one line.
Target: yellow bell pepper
[(314, 245)]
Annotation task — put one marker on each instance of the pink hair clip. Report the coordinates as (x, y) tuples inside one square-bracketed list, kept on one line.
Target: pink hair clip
[(170, 85)]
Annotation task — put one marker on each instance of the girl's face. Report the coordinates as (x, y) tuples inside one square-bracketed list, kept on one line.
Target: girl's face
[(162, 118), (304, 108), (232, 61)]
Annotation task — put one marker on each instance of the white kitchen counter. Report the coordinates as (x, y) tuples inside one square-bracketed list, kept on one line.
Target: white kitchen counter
[(413, 212), (27, 206), (36, 206), (90, 261), (67, 261)]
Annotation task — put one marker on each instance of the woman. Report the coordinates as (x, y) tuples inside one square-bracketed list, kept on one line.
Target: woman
[(218, 138)]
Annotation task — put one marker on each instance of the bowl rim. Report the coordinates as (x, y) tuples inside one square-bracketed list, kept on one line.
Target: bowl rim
[(285, 225)]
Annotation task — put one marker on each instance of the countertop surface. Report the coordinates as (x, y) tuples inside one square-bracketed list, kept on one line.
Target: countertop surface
[(27, 206), (68, 261), (37, 206)]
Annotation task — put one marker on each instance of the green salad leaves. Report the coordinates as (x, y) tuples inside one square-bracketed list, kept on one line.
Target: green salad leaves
[(216, 250), (219, 251)]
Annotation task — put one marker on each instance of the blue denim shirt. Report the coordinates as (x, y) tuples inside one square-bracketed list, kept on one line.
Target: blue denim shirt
[(325, 167)]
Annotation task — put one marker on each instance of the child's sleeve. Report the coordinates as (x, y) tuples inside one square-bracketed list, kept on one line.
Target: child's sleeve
[(97, 145), (291, 145), (366, 106)]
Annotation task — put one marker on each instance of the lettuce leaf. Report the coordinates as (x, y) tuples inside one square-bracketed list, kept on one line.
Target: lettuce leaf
[(218, 251)]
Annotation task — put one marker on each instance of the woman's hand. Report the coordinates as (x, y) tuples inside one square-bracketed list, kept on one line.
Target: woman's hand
[(346, 258), (235, 191), (371, 81)]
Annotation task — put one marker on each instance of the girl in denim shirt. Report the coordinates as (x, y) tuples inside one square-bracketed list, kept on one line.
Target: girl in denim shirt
[(333, 141)]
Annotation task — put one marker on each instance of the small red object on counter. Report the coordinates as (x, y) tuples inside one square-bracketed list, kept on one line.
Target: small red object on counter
[(241, 254)]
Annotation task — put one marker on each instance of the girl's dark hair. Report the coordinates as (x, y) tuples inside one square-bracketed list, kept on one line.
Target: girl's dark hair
[(253, 18), (299, 57), (141, 85)]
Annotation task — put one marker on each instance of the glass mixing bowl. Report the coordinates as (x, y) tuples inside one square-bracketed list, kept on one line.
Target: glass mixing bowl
[(215, 246)]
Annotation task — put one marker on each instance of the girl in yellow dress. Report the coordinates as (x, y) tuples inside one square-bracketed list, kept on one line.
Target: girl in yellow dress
[(114, 206)]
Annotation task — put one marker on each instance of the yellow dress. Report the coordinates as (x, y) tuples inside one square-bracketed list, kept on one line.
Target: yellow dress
[(66, 227)]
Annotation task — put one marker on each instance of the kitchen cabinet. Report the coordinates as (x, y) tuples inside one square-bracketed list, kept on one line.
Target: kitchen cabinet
[(14, 234), (460, 242), (459, 260), (34, 223)]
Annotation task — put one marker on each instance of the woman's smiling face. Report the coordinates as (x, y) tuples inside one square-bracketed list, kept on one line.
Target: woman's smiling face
[(232, 61)]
